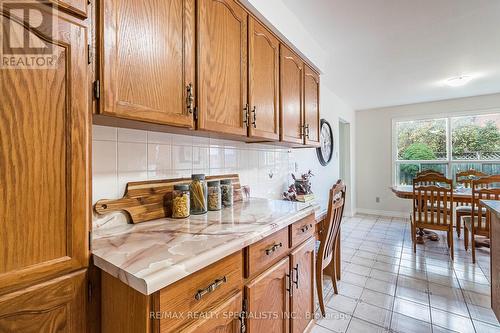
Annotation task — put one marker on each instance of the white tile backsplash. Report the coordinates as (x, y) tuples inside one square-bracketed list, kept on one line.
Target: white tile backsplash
[(122, 155)]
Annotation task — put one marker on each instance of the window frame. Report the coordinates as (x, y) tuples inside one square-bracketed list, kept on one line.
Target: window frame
[(449, 156)]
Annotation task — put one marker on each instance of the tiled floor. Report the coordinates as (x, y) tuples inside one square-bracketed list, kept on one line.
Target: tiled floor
[(385, 287)]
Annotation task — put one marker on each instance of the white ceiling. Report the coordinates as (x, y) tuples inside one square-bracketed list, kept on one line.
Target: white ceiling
[(393, 52)]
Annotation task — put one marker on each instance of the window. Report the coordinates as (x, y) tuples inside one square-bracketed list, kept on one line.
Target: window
[(448, 145)]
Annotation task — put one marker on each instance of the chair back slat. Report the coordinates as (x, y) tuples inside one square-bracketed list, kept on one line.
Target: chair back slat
[(333, 220), (484, 188), (466, 177), (432, 199)]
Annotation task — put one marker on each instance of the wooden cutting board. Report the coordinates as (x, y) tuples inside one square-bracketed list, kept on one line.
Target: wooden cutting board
[(149, 200)]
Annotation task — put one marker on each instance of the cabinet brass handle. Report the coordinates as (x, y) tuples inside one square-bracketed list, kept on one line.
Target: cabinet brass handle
[(306, 227), (216, 284), (254, 122), (190, 98), (245, 115), (296, 269), (273, 248)]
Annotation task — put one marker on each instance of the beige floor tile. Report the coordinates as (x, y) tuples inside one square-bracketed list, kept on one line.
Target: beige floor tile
[(403, 324)]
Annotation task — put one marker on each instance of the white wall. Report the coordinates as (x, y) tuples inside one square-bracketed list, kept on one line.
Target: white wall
[(374, 168)]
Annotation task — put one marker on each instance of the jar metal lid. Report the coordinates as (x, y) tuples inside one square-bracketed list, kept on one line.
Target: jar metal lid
[(198, 176), (214, 183), (226, 182), (181, 187)]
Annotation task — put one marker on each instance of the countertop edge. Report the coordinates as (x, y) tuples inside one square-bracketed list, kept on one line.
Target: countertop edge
[(492, 205), (162, 279)]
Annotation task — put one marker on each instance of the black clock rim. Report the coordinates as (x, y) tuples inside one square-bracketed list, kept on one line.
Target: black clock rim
[(318, 150)]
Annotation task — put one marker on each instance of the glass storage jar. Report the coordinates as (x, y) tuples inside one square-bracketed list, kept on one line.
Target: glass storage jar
[(180, 201), (198, 191), (226, 187), (214, 195)]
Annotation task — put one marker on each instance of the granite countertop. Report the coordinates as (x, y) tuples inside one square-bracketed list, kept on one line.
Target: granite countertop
[(493, 205), (152, 255)]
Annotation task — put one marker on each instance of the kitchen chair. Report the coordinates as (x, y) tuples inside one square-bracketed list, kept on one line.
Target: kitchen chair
[(432, 207), (329, 238), (482, 189), (426, 172), (465, 178)]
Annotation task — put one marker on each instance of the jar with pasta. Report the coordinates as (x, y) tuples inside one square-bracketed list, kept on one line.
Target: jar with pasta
[(226, 188), (198, 191), (180, 201), (214, 196)]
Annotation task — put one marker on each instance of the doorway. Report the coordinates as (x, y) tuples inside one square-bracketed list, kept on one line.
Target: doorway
[(344, 147)]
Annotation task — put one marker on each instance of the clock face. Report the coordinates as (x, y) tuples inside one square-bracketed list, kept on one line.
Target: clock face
[(325, 151)]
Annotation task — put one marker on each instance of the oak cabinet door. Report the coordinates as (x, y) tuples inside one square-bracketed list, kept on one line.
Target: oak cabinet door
[(148, 60), (222, 67), (311, 106), (263, 82), (223, 319), (291, 106), (268, 300), (78, 7), (302, 274), (54, 306), (44, 158)]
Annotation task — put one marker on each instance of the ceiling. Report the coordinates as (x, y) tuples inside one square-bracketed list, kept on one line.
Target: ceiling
[(393, 52)]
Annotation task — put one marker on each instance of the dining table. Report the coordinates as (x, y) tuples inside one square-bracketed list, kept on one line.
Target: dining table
[(461, 196)]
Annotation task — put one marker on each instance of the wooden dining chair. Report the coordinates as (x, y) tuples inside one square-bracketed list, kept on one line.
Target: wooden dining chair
[(465, 178), (478, 223), (329, 238), (427, 172), (432, 207)]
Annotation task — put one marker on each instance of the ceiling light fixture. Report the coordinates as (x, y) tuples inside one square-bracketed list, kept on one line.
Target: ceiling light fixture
[(459, 80)]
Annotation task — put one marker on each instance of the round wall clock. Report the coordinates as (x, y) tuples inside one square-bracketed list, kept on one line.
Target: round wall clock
[(325, 150)]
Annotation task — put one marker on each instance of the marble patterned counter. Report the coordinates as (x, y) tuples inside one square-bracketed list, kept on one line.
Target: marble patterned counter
[(152, 255)]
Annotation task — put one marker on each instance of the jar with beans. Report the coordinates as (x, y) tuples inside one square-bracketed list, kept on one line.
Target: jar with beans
[(226, 187)]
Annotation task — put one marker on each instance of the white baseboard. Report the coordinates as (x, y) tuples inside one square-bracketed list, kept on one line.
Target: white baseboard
[(385, 213)]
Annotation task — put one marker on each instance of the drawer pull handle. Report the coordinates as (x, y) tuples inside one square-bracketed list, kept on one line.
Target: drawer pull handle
[(273, 248), (216, 284), (306, 227)]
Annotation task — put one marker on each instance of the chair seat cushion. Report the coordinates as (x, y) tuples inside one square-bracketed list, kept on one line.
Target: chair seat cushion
[(468, 209), (467, 221)]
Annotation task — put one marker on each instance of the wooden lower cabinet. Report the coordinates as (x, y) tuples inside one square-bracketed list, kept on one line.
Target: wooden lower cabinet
[(278, 295), (267, 300), (302, 261), (223, 319), (54, 306)]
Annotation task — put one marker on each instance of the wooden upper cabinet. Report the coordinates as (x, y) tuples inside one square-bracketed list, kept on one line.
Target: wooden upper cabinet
[(148, 60), (302, 272), (268, 293), (311, 106), (222, 67), (291, 105), (44, 159), (263, 82)]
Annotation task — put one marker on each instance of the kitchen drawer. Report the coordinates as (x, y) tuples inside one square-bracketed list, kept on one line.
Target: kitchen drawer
[(264, 253), (179, 303), (302, 230)]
